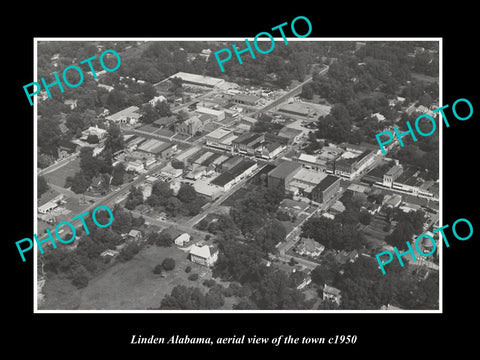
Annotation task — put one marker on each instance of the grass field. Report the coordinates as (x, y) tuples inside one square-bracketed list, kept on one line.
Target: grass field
[(127, 286), (58, 176)]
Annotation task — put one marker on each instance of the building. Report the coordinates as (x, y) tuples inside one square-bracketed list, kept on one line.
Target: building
[(47, 207), (391, 175), (269, 150), (207, 189), (95, 130), (245, 99), (349, 165), (205, 255), (309, 247), (128, 116), (156, 100), (295, 109), (220, 138), (326, 189), (190, 126), (304, 181), (312, 162), (293, 135), (331, 293), (248, 143), (182, 239), (136, 166), (231, 163), (231, 177), (199, 80), (282, 174), (135, 235), (161, 149), (216, 115)]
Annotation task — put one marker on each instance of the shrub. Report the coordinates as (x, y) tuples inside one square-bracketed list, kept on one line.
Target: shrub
[(193, 277), (188, 269), (209, 283), (158, 269), (168, 264)]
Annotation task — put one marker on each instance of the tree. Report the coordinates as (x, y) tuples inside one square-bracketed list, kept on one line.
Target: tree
[(149, 115), (78, 183), (158, 269), (164, 239), (118, 174), (173, 206), (163, 109), (168, 264), (92, 139), (318, 276), (134, 198), (193, 277), (42, 186), (128, 252), (187, 193), (80, 276), (365, 217)]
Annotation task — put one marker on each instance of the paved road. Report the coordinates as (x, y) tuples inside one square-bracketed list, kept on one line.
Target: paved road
[(294, 91)]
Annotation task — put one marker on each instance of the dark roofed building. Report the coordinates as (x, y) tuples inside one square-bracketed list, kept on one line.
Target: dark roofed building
[(245, 99), (282, 174), (229, 178), (326, 189)]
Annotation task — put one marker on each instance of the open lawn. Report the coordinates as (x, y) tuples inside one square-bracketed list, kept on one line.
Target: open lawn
[(127, 286), (58, 176)]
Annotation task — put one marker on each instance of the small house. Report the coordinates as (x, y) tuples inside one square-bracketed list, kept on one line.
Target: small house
[(182, 239)]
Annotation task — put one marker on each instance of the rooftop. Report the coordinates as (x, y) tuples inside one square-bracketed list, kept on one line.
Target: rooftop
[(326, 183), (200, 79), (309, 176), (219, 133), (284, 169), (128, 112)]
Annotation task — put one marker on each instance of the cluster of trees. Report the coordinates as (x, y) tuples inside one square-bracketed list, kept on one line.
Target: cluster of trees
[(84, 262), (333, 234), (163, 239), (151, 113), (186, 202), (340, 233), (364, 287), (262, 287), (255, 217), (408, 224), (168, 264), (42, 186), (360, 84), (192, 298), (91, 166), (265, 125)]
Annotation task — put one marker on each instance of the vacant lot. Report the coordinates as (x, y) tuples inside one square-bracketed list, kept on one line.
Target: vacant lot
[(127, 286), (58, 176)]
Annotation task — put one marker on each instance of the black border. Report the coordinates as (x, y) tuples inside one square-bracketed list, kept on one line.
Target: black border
[(382, 334)]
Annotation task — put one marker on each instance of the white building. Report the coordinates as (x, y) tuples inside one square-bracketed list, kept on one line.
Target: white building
[(204, 255), (182, 239)]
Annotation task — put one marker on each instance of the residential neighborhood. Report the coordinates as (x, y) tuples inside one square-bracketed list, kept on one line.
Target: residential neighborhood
[(226, 185)]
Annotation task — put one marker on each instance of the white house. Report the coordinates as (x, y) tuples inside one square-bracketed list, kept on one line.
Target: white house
[(182, 239), (157, 99), (331, 293), (205, 255), (47, 207)]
